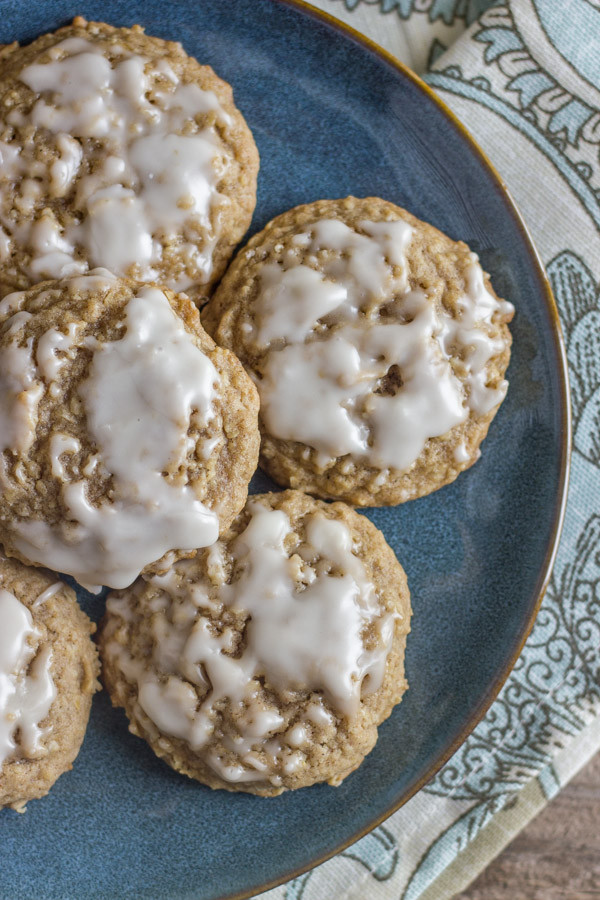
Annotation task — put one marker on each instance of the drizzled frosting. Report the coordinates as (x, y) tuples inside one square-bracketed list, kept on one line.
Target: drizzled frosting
[(377, 387), (27, 689), (147, 399), (307, 608), (141, 178)]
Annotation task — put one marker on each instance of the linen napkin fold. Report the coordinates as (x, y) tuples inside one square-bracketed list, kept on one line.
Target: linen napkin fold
[(525, 80)]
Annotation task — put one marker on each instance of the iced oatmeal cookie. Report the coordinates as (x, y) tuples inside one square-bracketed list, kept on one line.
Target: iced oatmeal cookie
[(48, 674), (377, 345), (119, 150), (267, 661), (127, 438)]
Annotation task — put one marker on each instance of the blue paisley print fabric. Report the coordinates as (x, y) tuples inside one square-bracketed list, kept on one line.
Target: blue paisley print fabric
[(524, 75)]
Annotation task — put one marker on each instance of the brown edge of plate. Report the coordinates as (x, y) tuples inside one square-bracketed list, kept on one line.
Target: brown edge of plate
[(563, 482)]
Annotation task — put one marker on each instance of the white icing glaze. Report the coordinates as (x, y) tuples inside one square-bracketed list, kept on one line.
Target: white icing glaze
[(98, 279), (31, 191), (334, 383), (53, 254), (337, 390), (155, 372), (143, 394), (317, 714), (48, 593), (306, 636), (20, 393), (461, 454), (294, 298), (10, 160), (152, 178), (63, 170), (297, 736), (364, 268), (12, 302), (27, 689), (478, 306), (5, 245), (50, 344), (292, 301), (16, 322), (61, 444)]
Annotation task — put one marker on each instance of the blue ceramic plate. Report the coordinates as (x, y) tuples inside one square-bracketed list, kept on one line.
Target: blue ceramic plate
[(331, 116)]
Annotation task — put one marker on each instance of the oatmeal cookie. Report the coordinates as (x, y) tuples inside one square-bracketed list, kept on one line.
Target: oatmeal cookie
[(377, 344), (119, 150), (126, 435), (48, 675), (267, 661)]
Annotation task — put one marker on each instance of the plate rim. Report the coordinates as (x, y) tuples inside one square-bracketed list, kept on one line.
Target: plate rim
[(565, 447)]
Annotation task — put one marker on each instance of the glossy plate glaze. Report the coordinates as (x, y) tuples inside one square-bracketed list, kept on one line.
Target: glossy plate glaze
[(331, 116)]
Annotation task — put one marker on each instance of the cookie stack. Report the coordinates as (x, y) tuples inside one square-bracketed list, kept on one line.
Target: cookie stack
[(256, 644)]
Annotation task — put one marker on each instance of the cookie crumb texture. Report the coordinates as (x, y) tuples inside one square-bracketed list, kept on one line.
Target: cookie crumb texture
[(127, 438), (119, 150), (268, 661), (377, 344), (48, 675)]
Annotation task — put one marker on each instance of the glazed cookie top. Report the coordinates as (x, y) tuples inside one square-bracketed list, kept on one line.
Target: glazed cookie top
[(261, 645), (119, 150), (48, 669), (125, 433), (27, 689), (368, 333)]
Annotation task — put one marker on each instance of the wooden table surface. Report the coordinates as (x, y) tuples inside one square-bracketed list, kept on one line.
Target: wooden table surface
[(557, 857)]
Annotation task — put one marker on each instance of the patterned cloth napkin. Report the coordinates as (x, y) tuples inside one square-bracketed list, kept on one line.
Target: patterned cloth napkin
[(524, 76)]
